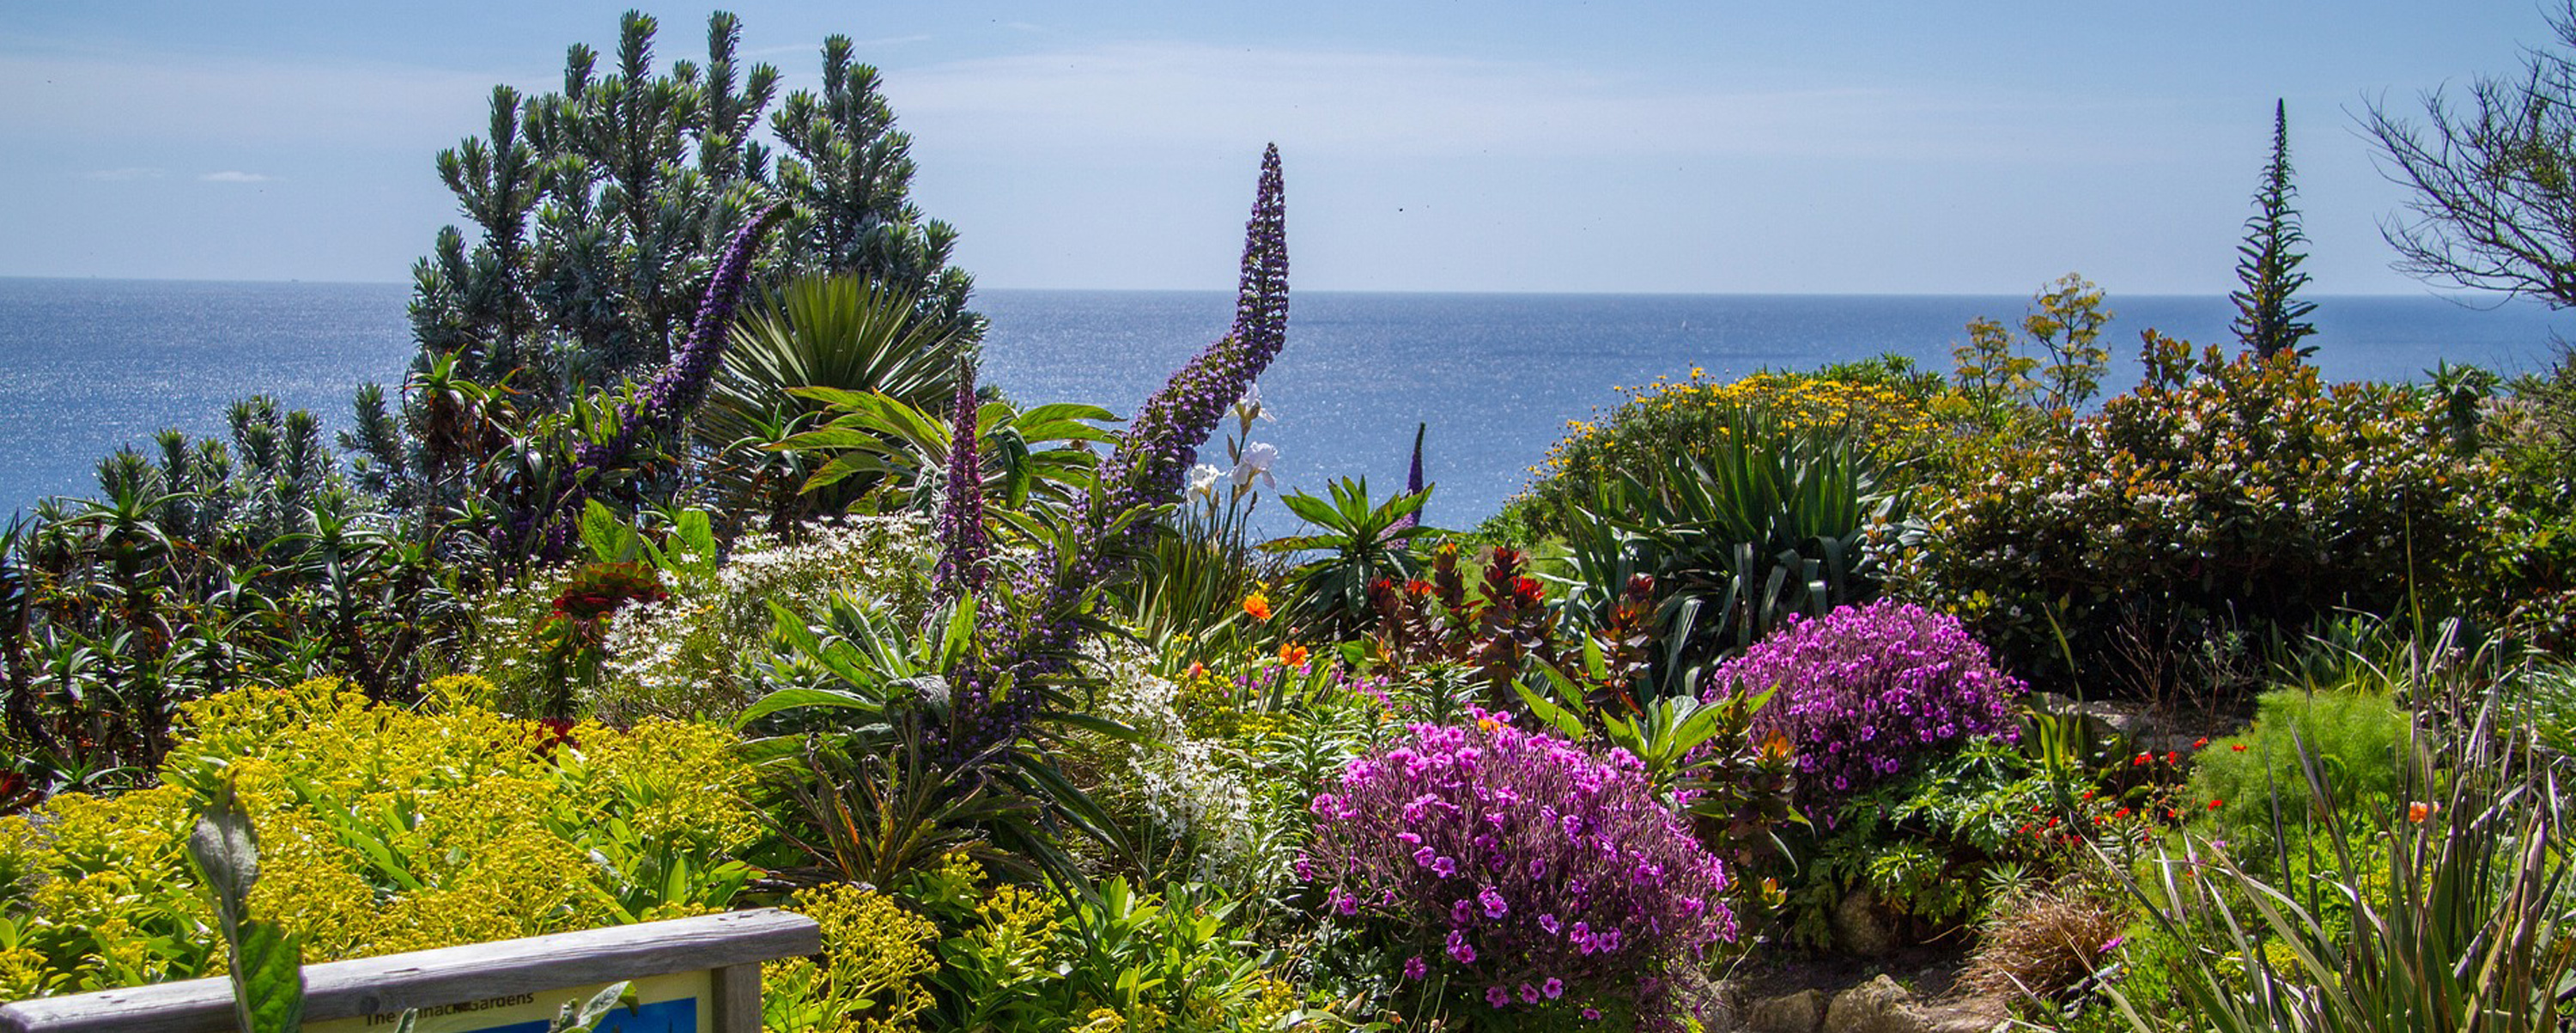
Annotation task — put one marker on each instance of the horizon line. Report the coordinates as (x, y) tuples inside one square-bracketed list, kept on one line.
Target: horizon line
[(2462, 297)]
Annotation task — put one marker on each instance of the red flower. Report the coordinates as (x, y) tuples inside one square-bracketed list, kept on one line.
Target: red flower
[(2238, 747), (2215, 804), (552, 732), (2140, 761)]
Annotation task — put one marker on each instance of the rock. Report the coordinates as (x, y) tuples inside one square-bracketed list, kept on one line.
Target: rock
[(1861, 928), (1794, 1013), (1877, 1006), (1966, 1015)]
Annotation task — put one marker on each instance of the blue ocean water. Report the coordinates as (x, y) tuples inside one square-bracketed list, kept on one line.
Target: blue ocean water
[(89, 365)]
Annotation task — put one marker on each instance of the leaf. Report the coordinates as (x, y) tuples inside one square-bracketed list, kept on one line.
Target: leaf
[(1541, 707), (268, 979), (585, 1017), (601, 531), (226, 848), (791, 699)]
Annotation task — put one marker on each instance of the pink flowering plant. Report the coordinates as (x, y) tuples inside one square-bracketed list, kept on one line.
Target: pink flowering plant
[(1867, 689), (1514, 876)]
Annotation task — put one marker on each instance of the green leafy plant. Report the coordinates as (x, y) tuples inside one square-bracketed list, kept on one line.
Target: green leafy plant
[(2466, 931), (266, 961), (840, 332), (1769, 521), (1362, 542), (2357, 744), (2226, 496)]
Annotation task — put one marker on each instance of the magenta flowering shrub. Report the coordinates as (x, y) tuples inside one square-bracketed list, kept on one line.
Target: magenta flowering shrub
[(1528, 876), (1868, 688)]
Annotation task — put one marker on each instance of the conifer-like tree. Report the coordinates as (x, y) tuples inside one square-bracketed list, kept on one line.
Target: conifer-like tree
[(2268, 314), (598, 214)]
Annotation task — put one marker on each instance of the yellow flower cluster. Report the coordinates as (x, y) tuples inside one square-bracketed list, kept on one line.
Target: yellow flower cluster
[(381, 829), (1672, 414), (874, 955)]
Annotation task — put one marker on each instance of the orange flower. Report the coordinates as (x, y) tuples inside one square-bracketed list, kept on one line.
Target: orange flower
[(2418, 811), (1196, 669), (1258, 605), (1292, 655)]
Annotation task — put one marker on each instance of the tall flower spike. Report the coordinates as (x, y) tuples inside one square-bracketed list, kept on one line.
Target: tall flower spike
[(962, 545), (1149, 466), (678, 387), (1413, 482), (663, 402)]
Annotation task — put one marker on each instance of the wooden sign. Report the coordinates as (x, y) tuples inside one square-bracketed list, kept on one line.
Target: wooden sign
[(689, 975)]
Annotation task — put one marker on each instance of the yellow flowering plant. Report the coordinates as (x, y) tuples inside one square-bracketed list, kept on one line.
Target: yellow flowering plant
[(383, 829)]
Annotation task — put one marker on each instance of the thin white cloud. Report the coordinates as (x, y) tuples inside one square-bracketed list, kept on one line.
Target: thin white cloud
[(89, 96), (1191, 96), (126, 175), (231, 176)]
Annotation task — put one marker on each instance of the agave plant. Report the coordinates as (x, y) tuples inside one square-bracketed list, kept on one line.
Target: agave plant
[(1766, 523)]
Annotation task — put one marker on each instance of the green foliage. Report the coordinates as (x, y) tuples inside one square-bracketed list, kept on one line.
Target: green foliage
[(1035, 461), (1921, 843), (217, 566), (2064, 324), (1880, 404), (2267, 317), (1767, 520), (2447, 913), (875, 952), (841, 332), (265, 962), (598, 213), (2223, 495), (2358, 744), (1109, 959), (2547, 706), (1362, 542), (861, 723), (381, 830)]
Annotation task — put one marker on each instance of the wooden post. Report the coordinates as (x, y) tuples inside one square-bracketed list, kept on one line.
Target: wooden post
[(538, 971)]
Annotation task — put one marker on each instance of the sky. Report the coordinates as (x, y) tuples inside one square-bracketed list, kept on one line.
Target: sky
[(1713, 146)]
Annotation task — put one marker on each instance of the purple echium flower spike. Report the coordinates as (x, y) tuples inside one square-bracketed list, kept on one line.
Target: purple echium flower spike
[(1148, 467), (679, 386), (962, 545), (1412, 483), (662, 403)]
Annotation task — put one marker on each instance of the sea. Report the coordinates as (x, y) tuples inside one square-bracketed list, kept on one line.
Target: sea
[(88, 366)]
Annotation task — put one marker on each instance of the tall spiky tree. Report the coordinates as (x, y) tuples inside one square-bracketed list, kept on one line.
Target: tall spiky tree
[(2268, 315), (599, 213)]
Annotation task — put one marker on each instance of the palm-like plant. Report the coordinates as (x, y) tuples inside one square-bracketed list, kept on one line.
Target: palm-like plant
[(839, 332), (1031, 460), (1362, 542), (861, 724)]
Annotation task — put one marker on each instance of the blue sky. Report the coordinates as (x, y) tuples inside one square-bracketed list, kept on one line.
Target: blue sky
[(1497, 146)]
